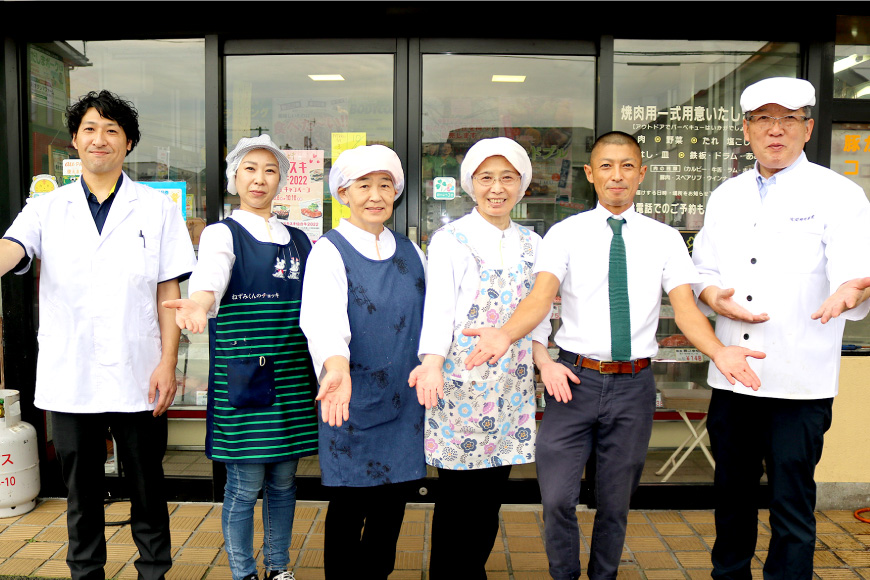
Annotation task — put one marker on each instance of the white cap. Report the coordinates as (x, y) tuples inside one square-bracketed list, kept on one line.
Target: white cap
[(793, 94), (245, 146), (486, 148), (355, 163)]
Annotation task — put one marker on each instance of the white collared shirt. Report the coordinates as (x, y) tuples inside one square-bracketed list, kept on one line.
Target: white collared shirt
[(454, 279), (785, 256), (216, 257), (577, 251), (99, 335), (323, 315)]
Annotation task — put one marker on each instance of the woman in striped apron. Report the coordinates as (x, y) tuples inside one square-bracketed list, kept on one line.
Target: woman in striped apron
[(261, 418)]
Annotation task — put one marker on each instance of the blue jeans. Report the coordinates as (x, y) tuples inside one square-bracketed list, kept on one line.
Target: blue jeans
[(244, 481)]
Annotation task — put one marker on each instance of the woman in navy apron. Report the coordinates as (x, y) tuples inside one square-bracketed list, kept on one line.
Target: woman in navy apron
[(362, 309), (261, 417), (478, 422)]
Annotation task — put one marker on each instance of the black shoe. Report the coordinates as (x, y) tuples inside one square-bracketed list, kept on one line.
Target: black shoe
[(279, 575)]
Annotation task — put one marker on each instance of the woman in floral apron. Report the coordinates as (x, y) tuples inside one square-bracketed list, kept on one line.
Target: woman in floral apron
[(479, 422)]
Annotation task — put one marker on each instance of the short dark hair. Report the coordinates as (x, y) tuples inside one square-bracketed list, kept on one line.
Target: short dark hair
[(109, 106), (615, 138)]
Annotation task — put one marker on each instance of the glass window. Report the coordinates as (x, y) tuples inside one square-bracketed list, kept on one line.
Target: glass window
[(165, 81), (852, 58), (313, 106), (850, 156), (546, 103), (681, 100)]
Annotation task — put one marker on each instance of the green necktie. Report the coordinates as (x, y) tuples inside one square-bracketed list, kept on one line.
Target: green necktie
[(620, 320)]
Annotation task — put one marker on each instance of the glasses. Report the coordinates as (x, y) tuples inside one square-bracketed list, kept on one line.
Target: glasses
[(507, 179), (766, 121)]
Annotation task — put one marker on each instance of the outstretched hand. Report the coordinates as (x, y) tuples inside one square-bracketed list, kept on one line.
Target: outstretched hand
[(189, 315), (849, 295), (429, 383), (722, 303), (492, 345), (334, 397), (731, 361)]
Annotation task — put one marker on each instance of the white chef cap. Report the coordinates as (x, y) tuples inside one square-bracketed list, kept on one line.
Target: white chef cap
[(245, 146), (790, 93), (355, 163), (485, 148)]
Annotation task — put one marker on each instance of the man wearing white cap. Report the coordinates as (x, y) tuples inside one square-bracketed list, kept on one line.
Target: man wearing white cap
[(362, 308), (783, 260)]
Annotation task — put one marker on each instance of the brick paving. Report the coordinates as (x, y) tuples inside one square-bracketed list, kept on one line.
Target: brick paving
[(660, 545)]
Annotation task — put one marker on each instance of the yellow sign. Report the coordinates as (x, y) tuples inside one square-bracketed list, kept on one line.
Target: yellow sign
[(342, 142)]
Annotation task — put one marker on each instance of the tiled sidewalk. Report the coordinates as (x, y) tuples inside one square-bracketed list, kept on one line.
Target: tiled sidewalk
[(660, 545)]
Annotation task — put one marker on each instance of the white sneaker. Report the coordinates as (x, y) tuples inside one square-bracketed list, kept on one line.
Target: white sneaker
[(280, 575)]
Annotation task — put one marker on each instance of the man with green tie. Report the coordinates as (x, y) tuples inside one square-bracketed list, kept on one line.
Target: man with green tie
[(612, 265)]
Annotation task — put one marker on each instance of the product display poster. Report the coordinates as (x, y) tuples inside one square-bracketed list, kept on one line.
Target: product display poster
[(72, 170), (299, 204), (174, 190), (342, 142)]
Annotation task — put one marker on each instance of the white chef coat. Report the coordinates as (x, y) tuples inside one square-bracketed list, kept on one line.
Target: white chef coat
[(99, 339), (216, 257), (784, 256), (577, 251), (454, 279), (323, 314)]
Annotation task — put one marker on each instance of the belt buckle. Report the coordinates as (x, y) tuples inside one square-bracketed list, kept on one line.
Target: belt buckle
[(608, 368)]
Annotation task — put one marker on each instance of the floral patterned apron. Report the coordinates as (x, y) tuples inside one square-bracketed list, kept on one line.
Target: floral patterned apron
[(487, 415)]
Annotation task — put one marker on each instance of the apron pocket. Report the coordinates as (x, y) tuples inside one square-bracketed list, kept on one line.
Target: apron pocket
[(251, 382), (372, 405)]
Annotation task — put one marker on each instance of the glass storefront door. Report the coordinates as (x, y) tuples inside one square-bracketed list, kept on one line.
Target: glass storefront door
[(314, 106), (544, 102)]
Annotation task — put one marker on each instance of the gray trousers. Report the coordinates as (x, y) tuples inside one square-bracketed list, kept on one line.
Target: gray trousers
[(612, 416)]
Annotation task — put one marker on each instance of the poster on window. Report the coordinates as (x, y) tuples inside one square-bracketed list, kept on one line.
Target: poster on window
[(299, 204), (689, 150), (453, 126)]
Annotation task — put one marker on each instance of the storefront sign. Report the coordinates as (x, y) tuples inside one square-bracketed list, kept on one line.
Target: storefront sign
[(174, 190), (689, 151), (300, 203), (445, 188), (850, 152), (72, 170)]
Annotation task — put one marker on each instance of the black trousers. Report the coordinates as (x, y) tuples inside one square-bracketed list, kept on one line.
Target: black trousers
[(351, 550), (80, 441), (611, 417), (787, 436), (465, 521)]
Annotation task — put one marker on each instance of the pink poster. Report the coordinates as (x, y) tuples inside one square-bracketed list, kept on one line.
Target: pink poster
[(300, 203)]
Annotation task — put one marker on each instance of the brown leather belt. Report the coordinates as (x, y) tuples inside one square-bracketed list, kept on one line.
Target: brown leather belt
[(604, 367)]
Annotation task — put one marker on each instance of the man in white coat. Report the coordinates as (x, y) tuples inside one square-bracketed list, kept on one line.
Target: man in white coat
[(110, 251), (782, 255)]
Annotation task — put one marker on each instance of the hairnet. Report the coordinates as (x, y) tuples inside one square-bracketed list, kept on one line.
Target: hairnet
[(485, 148), (245, 146), (355, 163)]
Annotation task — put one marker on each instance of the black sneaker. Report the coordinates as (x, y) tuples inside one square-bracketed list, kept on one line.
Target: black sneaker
[(279, 575), (253, 576)]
